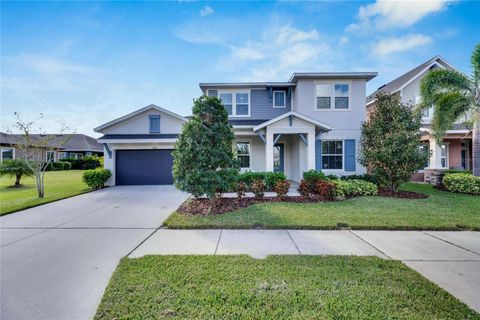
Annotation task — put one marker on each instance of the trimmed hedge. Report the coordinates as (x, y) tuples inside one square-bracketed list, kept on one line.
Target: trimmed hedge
[(448, 171), (89, 162), (58, 166), (350, 188), (269, 178), (96, 178), (365, 177), (462, 183)]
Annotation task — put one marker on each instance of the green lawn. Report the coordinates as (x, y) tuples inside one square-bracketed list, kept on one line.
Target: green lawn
[(58, 185), (441, 211), (278, 287)]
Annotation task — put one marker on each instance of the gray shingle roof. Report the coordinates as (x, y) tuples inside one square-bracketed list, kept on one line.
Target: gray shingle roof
[(395, 85), (139, 136), (67, 142)]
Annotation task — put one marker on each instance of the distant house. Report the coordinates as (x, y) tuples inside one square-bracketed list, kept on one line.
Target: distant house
[(62, 146), (456, 148)]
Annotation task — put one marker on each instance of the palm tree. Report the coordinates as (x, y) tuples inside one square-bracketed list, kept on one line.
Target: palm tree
[(454, 96)]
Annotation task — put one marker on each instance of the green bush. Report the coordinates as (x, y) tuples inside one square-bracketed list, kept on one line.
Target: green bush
[(462, 183), (269, 178), (312, 177), (55, 166), (448, 171), (96, 178), (66, 165), (332, 177), (89, 162), (350, 188), (365, 177)]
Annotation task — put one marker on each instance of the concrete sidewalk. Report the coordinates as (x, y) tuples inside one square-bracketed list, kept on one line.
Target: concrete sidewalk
[(449, 259)]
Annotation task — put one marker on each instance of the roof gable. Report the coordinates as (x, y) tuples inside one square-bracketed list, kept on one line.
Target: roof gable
[(136, 113), (294, 114)]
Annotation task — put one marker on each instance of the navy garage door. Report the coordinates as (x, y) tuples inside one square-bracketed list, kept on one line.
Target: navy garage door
[(137, 167)]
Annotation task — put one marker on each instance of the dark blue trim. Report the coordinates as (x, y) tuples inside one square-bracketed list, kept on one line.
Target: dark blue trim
[(247, 122), (318, 155), (350, 161), (138, 136), (282, 158)]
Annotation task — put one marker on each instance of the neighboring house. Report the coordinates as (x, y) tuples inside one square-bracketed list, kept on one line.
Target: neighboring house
[(311, 121), (61, 146), (456, 148)]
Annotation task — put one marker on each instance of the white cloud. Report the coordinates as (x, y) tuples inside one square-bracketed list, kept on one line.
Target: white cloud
[(206, 11), (385, 14), (406, 43), (247, 53), (343, 40)]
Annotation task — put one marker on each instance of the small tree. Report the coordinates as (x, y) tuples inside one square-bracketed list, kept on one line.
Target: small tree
[(15, 168), (203, 158), (390, 142), (34, 148)]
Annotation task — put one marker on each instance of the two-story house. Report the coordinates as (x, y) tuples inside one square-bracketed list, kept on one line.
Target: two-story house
[(311, 121), (456, 148)]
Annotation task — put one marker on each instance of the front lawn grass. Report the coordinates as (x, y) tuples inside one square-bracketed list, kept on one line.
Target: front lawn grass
[(58, 185), (441, 211), (278, 287)]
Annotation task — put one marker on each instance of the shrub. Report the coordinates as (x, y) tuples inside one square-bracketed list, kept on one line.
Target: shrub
[(448, 171), (258, 188), (66, 165), (89, 162), (271, 179), (312, 176), (332, 177), (96, 178), (325, 188), (281, 188), (248, 177), (55, 166), (304, 188), (390, 142), (350, 188), (204, 162), (462, 183), (241, 188), (15, 168), (365, 177)]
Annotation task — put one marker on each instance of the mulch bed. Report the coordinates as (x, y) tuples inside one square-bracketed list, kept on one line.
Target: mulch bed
[(222, 205), (401, 194)]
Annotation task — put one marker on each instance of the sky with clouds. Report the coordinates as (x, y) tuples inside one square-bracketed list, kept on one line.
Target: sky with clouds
[(85, 63)]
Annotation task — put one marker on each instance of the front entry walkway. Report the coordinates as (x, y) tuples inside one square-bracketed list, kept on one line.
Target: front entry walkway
[(449, 259)]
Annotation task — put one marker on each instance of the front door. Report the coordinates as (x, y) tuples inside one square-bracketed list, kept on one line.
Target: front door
[(278, 157)]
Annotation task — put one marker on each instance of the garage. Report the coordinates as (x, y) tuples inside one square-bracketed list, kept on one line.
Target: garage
[(144, 167)]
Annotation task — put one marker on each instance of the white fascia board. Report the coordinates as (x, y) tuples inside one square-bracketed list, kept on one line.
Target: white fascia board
[(295, 114)]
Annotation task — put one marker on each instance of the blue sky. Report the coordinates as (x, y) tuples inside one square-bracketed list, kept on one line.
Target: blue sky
[(86, 63)]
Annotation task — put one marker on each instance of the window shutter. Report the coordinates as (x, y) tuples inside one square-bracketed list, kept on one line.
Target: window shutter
[(350, 159), (318, 155)]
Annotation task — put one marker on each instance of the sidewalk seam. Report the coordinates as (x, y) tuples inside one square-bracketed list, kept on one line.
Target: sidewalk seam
[(294, 243), (218, 242), (371, 245), (453, 244), (142, 242)]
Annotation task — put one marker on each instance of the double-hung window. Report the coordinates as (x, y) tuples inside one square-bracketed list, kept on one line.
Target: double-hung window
[(8, 153), (243, 154), (332, 96), (154, 123), (444, 155), (236, 103), (332, 155), (279, 100)]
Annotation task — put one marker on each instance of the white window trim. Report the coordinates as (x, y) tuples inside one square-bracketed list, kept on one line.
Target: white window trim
[(343, 155), (447, 151), (249, 142), (6, 148), (284, 99), (234, 102), (332, 96)]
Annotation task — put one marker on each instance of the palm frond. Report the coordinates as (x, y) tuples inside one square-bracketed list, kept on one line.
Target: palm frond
[(448, 107)]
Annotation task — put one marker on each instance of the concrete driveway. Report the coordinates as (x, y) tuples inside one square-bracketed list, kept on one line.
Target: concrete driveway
[(56, 259)]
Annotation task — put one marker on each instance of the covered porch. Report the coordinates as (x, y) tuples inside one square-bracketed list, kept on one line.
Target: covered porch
[(284, 144)]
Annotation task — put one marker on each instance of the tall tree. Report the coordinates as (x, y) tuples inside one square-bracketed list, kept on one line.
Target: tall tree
[(203, 157), (390, 142), (34, 149), (454, 96)]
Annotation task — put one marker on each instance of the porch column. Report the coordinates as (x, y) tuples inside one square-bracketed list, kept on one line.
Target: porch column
[(435, 155), (311, 151), (269, 151)]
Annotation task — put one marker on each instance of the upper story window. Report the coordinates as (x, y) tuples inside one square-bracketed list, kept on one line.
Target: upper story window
[(154, 123), (236, 103), (279, 100), (332, 96)]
